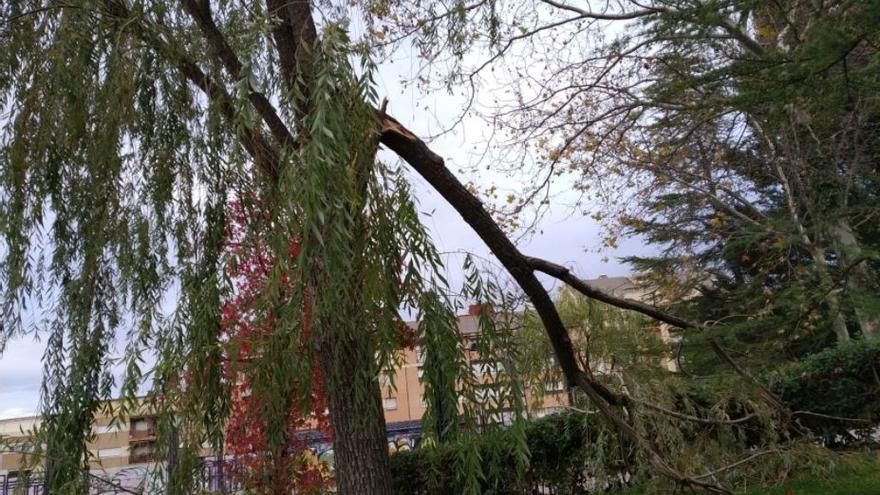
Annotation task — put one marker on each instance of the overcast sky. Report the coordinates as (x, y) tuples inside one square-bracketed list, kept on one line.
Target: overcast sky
[(564, 238)]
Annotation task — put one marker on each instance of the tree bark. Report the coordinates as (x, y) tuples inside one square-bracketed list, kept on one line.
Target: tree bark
[(357, 419), (360, 445), (858, 276), (817, 252)]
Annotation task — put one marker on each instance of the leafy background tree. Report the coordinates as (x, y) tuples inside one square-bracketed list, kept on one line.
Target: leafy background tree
[(740, 139), (246, 326)]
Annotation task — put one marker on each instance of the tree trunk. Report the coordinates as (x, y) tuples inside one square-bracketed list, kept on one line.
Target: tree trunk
[(357, 418), (859, 278), (839, 320)]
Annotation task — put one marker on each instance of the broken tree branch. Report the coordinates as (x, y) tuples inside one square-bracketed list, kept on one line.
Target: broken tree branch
[(432, 168), (564, 274)]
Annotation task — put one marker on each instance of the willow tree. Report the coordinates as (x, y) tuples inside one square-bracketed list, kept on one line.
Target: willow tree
[(129, 128)]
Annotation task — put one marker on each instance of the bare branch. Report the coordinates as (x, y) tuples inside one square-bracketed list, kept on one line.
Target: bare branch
[(601, 15), (697, 419), (565, 275), (737, 463)]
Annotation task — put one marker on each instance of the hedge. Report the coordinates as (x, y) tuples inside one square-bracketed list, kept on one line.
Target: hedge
[(559, 447), (841, 381)]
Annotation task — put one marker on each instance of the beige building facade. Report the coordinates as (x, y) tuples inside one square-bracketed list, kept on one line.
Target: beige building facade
[(122, 451)]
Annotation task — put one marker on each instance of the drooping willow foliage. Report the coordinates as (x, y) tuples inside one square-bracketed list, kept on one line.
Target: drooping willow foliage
[(118, 168)]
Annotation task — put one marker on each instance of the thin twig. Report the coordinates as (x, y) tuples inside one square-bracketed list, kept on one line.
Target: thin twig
[(737, 463), (696, 419)]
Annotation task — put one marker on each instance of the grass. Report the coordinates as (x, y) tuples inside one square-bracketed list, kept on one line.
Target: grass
[(862, 481), (861, 478)]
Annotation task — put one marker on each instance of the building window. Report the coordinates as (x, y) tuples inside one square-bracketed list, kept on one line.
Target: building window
[(143, 427), (554, 386), (15, 477), (504, 417), (141, 452), (21, 447), (548, 411), (489, 368), (385, 380), (492, 393), (107, 429), (390, 403), (141, 439), (112, 452)]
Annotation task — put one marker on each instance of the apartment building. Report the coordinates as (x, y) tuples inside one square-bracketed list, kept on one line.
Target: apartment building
[(403, 393), (122, 452)]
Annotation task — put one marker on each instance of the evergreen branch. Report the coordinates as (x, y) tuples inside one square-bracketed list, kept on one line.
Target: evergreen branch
[(765, 393), (745, 40), (678, 361)]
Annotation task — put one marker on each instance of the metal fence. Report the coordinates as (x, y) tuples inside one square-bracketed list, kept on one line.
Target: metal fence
[(216, 478), (15, 485)]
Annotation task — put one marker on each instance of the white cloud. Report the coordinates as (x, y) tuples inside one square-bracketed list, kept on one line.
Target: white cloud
[(20, 377)]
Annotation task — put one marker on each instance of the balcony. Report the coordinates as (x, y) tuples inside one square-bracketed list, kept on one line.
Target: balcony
[(142, 452), (13, 485), (142, 428)]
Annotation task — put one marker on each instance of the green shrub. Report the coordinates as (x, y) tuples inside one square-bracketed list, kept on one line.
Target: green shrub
[(842, 381), (565, 450), (437, 470)]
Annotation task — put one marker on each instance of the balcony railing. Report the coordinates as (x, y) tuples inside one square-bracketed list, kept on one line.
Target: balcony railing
[(24, 486), (217, 476), (216, 479)]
